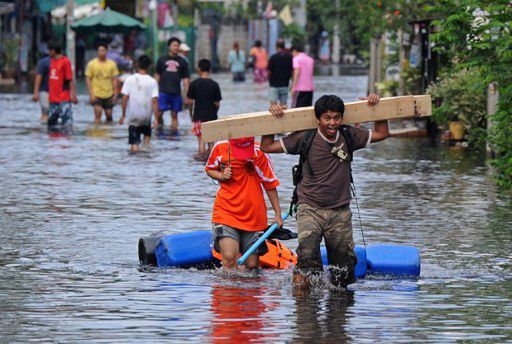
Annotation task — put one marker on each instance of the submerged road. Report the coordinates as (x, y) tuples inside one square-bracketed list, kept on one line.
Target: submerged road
[(73, 208)]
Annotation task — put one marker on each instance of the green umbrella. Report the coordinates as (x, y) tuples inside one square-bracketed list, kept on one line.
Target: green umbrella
[(108, 21)]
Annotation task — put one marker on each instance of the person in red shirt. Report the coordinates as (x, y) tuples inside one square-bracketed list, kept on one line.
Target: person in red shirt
[(239, 211), (61, 87)]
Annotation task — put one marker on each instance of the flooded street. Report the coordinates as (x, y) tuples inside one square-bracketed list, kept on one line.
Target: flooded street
[(73, 208)]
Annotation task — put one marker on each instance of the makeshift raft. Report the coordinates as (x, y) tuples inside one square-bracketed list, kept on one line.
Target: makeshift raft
[(195, 249)]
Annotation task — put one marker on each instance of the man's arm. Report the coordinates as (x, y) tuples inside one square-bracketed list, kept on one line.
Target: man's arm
[(37, 86), (186, 84), (157, 77), (295, 77), (268, 143), (274, 200), (380, 131), (72, 89), (115, 85), (88, 81), (221, 176), (123, 107), (155, 111)]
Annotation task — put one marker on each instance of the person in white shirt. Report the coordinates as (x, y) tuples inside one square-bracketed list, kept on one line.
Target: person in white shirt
[(140, 99)]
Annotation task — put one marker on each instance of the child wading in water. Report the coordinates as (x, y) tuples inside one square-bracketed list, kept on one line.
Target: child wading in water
[(239, 211), (206, 96), (140, 98)]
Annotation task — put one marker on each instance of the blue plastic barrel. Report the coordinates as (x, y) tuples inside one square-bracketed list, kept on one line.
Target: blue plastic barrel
[(185, 250), (393, 260), (361, 265)]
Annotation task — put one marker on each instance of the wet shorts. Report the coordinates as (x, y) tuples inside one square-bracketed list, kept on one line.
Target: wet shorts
[(134, 133), (245, 238), (168, 101), (62, 111), (105, 103)]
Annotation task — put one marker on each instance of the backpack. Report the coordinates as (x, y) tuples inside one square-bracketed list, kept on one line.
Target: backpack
[(305, 145)]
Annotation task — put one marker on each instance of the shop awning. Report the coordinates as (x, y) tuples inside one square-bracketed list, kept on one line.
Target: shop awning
[(45, 6)]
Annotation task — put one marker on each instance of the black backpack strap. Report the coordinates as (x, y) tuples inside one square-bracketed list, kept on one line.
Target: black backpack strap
[(345, 131), (297, 170)]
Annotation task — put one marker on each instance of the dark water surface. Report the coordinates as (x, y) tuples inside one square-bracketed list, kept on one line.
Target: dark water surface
[(73, 208)]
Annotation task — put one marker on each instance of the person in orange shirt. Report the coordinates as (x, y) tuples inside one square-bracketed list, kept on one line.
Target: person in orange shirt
[(260, 58), (239, 211)]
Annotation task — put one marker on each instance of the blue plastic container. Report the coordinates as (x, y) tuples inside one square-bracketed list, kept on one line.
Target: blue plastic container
[(361, 265), (185, 250), (393, 260)]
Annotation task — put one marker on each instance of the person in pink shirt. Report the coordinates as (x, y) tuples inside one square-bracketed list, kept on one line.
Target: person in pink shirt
[(302, 84), (260, 57)]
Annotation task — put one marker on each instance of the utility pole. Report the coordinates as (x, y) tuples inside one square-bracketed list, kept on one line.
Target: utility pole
[(154, 30), (336, 35), (70, 34)]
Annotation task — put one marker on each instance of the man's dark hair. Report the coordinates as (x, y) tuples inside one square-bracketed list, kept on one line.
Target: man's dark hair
[(298, 47), (204, 65), (101, 44), (144, 62), (55, 46), (257, 43), (280, 44), (172, 40), (329, 103)]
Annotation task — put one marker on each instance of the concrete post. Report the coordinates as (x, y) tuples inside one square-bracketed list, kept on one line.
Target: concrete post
[(70, 34), (154, 30), (336, 36)]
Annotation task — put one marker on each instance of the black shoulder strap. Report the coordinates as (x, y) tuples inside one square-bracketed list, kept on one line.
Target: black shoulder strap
[(345, 131), (297, 170)]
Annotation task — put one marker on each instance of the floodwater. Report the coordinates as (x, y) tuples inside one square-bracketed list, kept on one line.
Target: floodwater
[(73, 208)]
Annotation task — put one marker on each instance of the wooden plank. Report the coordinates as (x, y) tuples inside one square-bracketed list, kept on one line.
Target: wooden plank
[(263, 123)]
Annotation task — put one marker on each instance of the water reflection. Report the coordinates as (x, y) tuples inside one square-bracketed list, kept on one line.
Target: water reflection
[(322, 319)]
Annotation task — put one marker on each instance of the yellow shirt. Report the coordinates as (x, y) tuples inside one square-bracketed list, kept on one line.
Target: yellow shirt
[(101, 74)]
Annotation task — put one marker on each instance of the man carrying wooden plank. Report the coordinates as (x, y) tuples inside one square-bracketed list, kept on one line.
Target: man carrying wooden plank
[(322, 183)]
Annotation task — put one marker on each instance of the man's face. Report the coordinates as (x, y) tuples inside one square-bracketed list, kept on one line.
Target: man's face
[(51, 52), (102, 52), (329, 123), (295, 53), (174, 48)]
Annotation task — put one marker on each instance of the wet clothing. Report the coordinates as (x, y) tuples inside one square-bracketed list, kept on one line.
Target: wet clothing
[(44, 102), (62, 111), (134, 133), (305, 64), (240, 202), (280, 67), (43, 69), (324, 199), (326, 184), (237, 62), (172, 102), (141, 90), (102, 74), (59, 79), (260, 57), (335, 225), (205, 92), (303, 99), (278, 95), (171, 70), (105, 103), (244, 238)]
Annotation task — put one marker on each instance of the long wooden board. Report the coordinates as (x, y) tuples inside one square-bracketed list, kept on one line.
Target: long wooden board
[(263, 123)]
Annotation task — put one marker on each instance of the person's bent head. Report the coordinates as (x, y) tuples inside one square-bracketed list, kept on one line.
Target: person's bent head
[(173, 44), (257, 43), (204, 65), (329, 111), (102, 49), (297, 49), (280, 44), (54, 48), (236, 46), (144, 62)]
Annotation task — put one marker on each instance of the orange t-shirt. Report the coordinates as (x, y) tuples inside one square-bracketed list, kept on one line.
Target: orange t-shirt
[(240, 202), (261, 57)]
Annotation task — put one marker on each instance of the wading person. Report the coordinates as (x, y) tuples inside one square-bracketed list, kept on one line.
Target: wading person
[(140, 100), (41, 87), (206, 96), (101, 78), (237, 63), (323, 190), (170, 70), (61, 88), (302, 84), (260, 58), (239, 211), (280, 70)]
